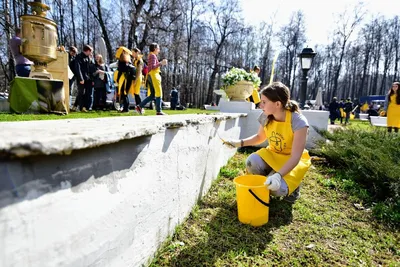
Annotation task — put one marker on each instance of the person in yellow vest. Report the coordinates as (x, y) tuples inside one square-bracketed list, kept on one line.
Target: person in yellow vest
[(124, 76), (392, 108), (285, 160), (153, 79), (138, 63), (342, 114), (255, 96)]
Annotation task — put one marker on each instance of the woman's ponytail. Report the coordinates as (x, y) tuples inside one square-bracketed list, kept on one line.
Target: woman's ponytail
[(292, 106)]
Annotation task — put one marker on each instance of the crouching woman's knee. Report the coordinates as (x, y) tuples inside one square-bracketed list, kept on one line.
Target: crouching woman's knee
[(256, 165)]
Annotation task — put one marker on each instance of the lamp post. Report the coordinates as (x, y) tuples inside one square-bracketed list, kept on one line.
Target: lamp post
[(306, 57)]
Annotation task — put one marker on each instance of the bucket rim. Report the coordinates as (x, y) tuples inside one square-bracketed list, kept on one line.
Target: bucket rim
[(249, 186)]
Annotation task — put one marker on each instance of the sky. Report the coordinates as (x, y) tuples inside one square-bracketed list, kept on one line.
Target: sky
[(319, 14)]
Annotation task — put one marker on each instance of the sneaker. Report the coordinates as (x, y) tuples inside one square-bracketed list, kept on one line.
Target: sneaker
[(139, 110), (84, 110), (161, 113), (73, 109), (295, 195)]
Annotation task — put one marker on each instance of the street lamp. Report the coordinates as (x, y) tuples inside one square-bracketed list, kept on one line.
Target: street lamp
[(306, 58)]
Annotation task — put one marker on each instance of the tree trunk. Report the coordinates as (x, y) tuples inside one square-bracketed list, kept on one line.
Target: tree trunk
[(73, 22), (99, 18), (211, 84), (7, 29), (338, 68), (15, 14)]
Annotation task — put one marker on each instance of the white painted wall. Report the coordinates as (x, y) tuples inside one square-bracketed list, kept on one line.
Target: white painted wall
[(128, 198), (107, 192)]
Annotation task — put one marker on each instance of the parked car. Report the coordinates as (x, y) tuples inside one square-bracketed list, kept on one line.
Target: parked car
[(3, 95)]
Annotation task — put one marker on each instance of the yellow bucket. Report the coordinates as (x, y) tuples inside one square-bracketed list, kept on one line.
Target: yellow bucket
[(252, 198)]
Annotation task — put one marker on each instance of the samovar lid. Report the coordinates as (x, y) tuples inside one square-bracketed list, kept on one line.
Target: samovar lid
[(39, 8)]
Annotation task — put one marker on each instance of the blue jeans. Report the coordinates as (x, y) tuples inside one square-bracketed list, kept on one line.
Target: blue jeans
[(23, 70), (151, 96), (88, 95)]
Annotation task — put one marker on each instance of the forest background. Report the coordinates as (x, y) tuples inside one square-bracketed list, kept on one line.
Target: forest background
[(203, 39)]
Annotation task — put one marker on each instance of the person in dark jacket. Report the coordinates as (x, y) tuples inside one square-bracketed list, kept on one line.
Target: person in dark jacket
[(100, 79), (333, 110), (348, 107), (83, 72), (174, 98)]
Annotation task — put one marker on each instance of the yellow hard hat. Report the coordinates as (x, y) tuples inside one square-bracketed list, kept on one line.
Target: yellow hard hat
[(122, 49)]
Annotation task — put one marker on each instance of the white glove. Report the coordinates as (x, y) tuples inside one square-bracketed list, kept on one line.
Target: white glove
[(233, 143), (273, 181)]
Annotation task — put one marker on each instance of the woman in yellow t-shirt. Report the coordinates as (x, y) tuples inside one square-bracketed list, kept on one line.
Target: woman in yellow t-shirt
[(392, 108), (285, 160)]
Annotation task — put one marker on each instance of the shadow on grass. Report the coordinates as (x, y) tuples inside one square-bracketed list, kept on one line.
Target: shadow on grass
[(224, 237)]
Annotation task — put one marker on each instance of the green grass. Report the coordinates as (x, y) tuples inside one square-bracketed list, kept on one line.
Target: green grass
[(359, 124), (92, 114), (323, 228)]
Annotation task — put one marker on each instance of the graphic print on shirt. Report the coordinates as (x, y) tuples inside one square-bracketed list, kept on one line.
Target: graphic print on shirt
[(276, 141)]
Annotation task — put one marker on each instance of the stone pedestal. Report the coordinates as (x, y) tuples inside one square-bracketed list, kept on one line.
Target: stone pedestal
[(59, 70), (379, 121), (236, 107), (316, 119)]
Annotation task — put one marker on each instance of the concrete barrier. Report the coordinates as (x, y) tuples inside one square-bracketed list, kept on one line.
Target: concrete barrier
[(378, 121), (104, 192), (317, 119)]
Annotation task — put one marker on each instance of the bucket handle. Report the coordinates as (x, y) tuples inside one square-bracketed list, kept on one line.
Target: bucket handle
[(259, 199)]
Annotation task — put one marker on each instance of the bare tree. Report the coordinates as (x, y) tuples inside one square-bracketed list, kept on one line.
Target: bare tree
[(73, 21), (99, 17), (292, 37), (347, 23), (226, 23)]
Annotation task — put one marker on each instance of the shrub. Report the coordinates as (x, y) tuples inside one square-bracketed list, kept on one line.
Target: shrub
[(372, 160)]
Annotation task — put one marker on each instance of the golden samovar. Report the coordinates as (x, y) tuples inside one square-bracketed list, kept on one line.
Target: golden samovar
[(39, 39)]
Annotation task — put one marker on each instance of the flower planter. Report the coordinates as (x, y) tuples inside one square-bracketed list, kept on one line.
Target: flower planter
[(239, 91)]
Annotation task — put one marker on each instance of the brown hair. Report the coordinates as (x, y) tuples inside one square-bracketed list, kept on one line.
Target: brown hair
[(87, 48), (136, 50), (256, 68), (73, 49), (125, 57), (398, 93), (153, 47), (277, 91)]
